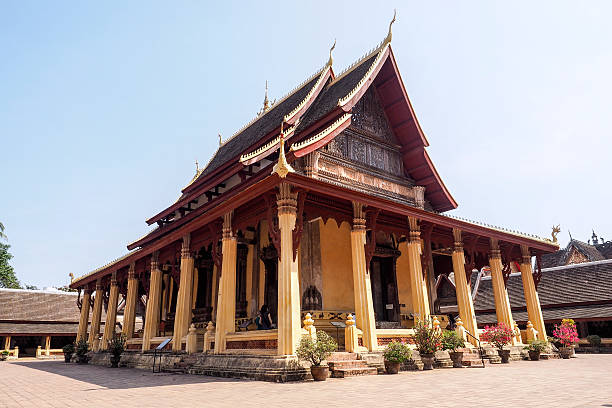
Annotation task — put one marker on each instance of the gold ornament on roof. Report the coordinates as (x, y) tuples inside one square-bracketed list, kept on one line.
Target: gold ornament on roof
[(220, 140), (389, 36), (71, 277), (555, 231), (282, 167), (266, 102), (197, 166), (331, 60)]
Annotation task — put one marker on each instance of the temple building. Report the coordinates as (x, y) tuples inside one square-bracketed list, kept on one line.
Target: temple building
[(326, 203)]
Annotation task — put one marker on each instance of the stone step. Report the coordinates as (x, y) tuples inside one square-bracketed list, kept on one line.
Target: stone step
[(547, 356), (352, 372), (335, 365), (174, 370), (342, 356)]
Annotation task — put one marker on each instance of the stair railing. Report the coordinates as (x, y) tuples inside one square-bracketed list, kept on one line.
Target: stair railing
[(480, 350)]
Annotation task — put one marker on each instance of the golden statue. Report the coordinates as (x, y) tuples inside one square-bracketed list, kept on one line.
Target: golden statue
[(71, 276), (555, 231)]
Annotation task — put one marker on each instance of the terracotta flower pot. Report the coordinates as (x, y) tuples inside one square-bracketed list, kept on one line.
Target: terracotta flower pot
[(457, 357), (319, 373), (534, 355), (392, 367), (114, 360), (504, 355), (428, 360), (565, 352)]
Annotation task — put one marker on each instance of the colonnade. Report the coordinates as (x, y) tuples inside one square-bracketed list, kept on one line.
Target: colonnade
[(289, 322)]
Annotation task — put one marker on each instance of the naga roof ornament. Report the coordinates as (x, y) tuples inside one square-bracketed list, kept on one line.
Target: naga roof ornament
[(282, 167), (330, 61)]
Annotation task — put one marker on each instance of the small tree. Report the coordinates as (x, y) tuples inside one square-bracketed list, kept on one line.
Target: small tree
[(316, 351), (81, 349), (427, 339), (566, 334), (397, 352), (594, 340), (451, 340)]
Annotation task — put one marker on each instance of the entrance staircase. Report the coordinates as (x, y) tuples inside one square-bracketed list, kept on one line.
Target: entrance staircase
[(183, 366), (342, 365)]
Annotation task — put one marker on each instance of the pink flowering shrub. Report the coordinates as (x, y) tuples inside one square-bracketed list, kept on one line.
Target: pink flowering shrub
[(499, 335), (566, 334)]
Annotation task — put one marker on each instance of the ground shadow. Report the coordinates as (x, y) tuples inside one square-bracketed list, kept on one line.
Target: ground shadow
[(119, 378)]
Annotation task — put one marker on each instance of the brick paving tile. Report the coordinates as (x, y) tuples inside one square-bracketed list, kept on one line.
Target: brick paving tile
[(584, 381)]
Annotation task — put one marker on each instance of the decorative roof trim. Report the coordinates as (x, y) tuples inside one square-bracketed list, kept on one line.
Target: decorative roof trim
[(343, 101), (577, 265), (290, 116), (321, 135), (250, 158), (500, 229), (273, 106), (104, 267)]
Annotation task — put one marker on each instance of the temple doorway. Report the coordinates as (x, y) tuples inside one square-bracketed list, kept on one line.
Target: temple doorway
[(269, 256), (202, 304), (384, 291)]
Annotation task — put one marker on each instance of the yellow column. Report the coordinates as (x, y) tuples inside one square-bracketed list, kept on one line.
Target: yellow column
[(226, 296), (215, 285), (462, 287), (7, 342), (182, 318), (364, 309), (48, 346), (129, 312), (531, 294), (418, 286), (502, 302), (289, 324), (96, 314), (84, 320), (194, 292), (111, 312), (153, 304)]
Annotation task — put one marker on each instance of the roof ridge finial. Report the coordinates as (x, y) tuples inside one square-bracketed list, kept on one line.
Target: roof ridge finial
[(220, 140), (331, 60), (389, 36), (282, 168), (197, 166)]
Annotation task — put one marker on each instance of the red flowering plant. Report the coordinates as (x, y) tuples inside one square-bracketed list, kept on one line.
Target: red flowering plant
[(566, 334), (500, 335)]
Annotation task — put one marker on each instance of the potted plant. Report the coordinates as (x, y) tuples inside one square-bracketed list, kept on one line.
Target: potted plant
[(567, 335), (595, 341), (395, 354), (535, 348), (4, 355), (68, 350), (427, 340), (81, 349), (499, 336), (116, 347), (451, 341), (316, 352)]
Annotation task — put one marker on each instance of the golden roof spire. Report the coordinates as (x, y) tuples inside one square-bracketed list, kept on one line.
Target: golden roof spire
[(389, 36), (197, 166), (266, 102), (220, 140), (331, 60), (282, 168)]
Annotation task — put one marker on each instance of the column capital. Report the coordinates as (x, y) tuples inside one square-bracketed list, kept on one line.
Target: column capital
[(415, 229), (186, 246), (494, 252), (114, 278), (86, 291), (526, 254), (286, 200), (359, 220), (227, 230), (458, 244), (154, 261), (98, 284), (132, 271)]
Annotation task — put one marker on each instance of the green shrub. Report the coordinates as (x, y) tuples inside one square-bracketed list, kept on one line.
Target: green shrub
[(536, 345), (117, 345), (81, 349), (68, 348), (594, 340), (397, 352), (451, 340), (316, 351)]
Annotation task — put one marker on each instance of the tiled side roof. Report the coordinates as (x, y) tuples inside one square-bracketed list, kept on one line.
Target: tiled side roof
[(263, 125), (557, 313), (585, 282), (605, 249), (32, 306), (339, 88), (589, 251), (39, 328)]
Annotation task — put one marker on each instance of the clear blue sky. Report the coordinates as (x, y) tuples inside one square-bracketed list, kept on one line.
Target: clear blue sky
[(105, 106)]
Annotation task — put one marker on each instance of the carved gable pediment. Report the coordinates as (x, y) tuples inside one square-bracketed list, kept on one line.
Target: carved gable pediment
[(575, 257), (369, 117)]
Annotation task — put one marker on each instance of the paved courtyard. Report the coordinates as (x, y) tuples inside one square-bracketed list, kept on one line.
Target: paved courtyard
[(585, 381)]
